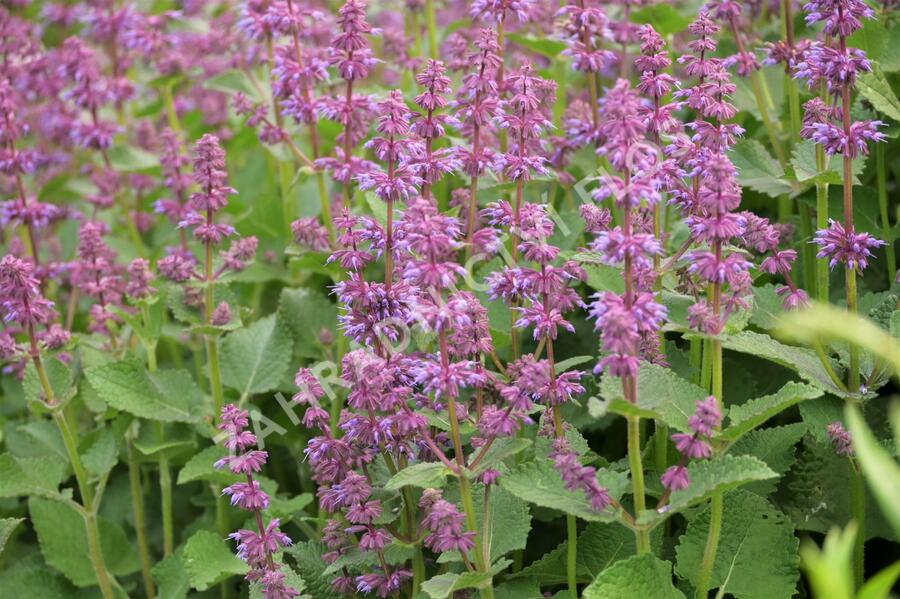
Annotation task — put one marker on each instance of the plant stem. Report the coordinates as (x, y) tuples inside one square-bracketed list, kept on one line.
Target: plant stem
[(572, 555), (642, 536), (704, 577), (823, 273), (852, 307), (881, 173), (165, 493), (140, 526), (212, 348), (81, 477), (858, 509), (431, 19)]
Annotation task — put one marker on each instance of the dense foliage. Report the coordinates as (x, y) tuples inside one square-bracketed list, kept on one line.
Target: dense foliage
[(445, 299)]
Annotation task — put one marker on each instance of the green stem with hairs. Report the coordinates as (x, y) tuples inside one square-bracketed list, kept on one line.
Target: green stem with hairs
[(642, 536), (81, 477), (572, 555), (140, 521), (431, 19), (717, 504), (881, 175), (853, 308), (823, 272)]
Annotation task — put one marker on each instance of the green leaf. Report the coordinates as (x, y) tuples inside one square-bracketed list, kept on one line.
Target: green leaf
[(822, 323), (510, 523), (356, 560), (775, 446), (209, 560), (30, 577), (58, 373), (130, 158), (881, 470), (175, 438), (444, 585), (30, 476), (758, 170), (718, 475), (307, 312), (767, 307), (757, 556), (603, 277), (639, 576), (310, 566), (61, 532), (424, 475), (538, 482), (256, 359), (166, 395), (546, 46), (234, 80), (599, 547), (662, 395), (102, 455), (747, 416), (500, 450), (7, 526), (806, 170), (816, 493), (200, 467), (875, 88), (664, 18), (172, 580), (801, 360)]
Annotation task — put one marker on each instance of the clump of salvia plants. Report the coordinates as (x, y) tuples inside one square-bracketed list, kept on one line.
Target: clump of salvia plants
[(447, 299)]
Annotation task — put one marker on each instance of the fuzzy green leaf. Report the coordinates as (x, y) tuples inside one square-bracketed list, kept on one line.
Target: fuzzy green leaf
[(718, 475), (775, 447), (102, 455), (444, 585), (30, 476), (875, 88), (599, 546), (664, 18), (209, 560), (662, 395), (172, 580), (7, 526), (758, 170), (639, 576), (30, 577), (310, 566), (747, 416), (200, 467), (126, 158), (510, 523), (803, 361), (423, 475), (816, 493), (166, 395), (757, 556), (58, 373), (307, 312), (256, 359), (61, 532), (500, 450), (538, 482)]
